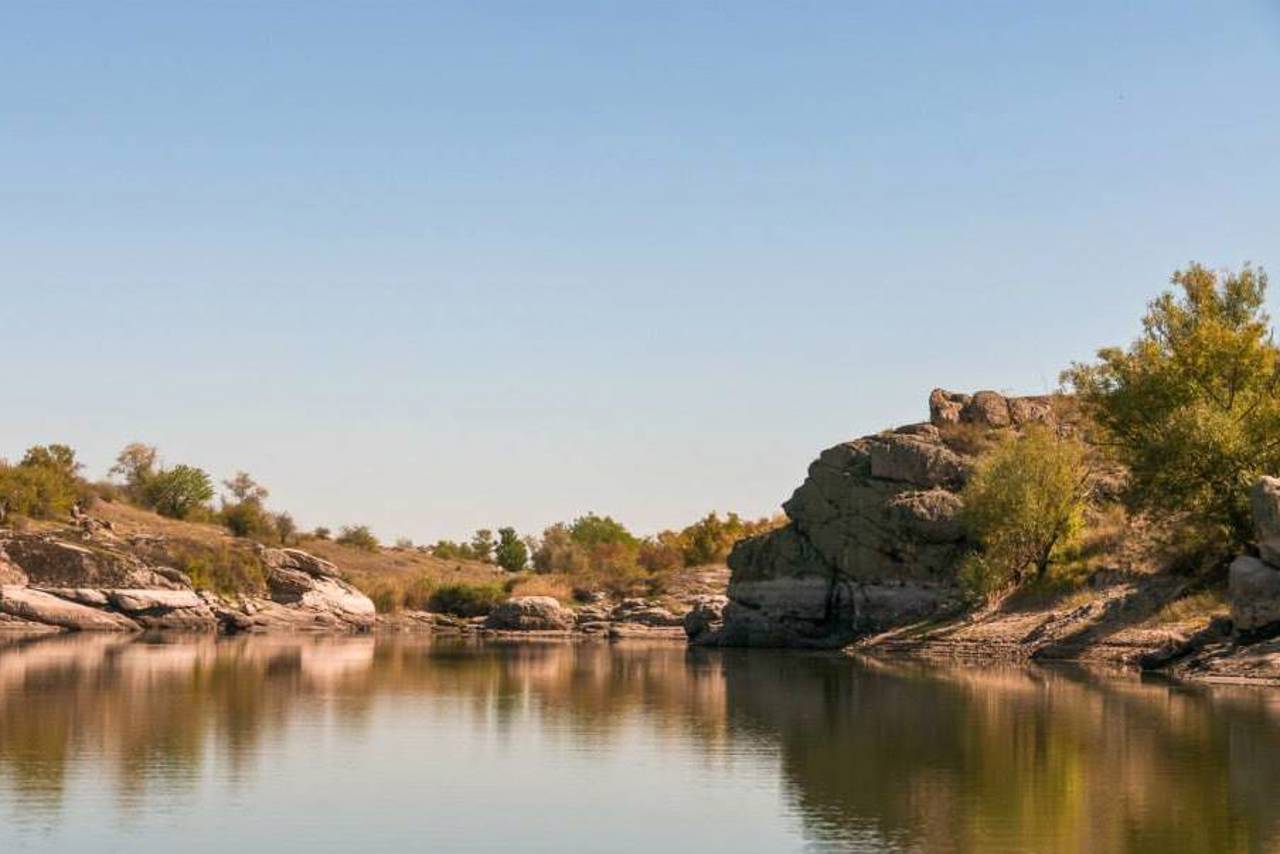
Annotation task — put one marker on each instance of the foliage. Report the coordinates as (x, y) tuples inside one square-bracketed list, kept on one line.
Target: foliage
[(358, 536), (1024, 502), (245, 488), (285, 527), (482, 545), (592, 530), (710, 539), (321, 533), (511, 553), (177, 491), (248, 519), (44, 485), (137, 464), (224, 568), (466, 600), (1192, 407)]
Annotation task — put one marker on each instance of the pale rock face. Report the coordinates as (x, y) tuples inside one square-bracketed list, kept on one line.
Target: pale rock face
[(181, 610), (1253, 588), (37, 606), (644, 613), (310, 586), (530, 613)]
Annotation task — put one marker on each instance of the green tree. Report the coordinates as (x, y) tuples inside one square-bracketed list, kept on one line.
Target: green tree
[(44, 485), (1024, 501), (137, 464), (592, 530), (511, 554), (482, 545), (1192, 407), (177, 491)]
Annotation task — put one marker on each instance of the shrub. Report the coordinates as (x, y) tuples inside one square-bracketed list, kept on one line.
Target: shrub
[(224, 568), (1024, 502), (44, 485), (321, 533), (1192, 407), (358, 536), (511, 554), (248, 518), (177, 491), (466, 600)]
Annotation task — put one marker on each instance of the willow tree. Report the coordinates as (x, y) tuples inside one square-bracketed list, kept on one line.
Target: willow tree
[(1192, 407)]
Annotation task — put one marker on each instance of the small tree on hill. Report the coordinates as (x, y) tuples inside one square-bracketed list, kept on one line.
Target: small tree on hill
[(177, 491), (511, 554), (482, 545), (1023, 503), (245, 488), (137, 464)]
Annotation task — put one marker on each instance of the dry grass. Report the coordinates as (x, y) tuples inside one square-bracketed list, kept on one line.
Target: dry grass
[(551, 584), (1196, 608)]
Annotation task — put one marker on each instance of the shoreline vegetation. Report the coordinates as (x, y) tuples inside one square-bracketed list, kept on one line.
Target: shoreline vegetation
[(1127, 518)]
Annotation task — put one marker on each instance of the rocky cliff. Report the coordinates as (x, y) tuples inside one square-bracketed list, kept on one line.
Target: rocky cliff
[(873, 539), (49, 582)]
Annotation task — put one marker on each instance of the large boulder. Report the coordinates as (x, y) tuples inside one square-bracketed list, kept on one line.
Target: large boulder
[(705, 620), (644, 613), (530, 613), (1264, 502), (38, 607), (311, 587), (182, 610), (874, 537), (945, 406), (988, 409), (50, 562), (298, 561), (1253, 589)]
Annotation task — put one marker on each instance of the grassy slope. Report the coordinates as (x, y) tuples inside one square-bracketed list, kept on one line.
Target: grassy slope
[(395, 568)]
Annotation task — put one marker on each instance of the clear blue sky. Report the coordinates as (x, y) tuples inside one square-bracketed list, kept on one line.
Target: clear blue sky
[(433, 266)]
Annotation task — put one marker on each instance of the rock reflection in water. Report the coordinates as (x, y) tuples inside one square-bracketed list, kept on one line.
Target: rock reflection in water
[(843, 755)]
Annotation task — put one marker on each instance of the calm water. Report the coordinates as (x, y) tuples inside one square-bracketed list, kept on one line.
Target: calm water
[(390, 745)]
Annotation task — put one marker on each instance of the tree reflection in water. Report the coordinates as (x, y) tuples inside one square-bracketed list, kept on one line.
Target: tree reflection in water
[(894, 755)]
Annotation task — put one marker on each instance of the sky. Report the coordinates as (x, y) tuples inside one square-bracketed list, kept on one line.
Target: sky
[(434, 266)]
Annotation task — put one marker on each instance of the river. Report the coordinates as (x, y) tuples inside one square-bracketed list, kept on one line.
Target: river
[(394, 745)]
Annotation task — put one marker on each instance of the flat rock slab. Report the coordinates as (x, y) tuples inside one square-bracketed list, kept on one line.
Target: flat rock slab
[(39, 607)]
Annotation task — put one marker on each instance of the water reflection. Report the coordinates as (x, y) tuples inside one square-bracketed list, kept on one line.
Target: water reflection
[(856, 755)]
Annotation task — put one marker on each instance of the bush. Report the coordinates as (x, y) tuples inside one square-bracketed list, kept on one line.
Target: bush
[(224, 568), (248, 518), (44, 485), (466, 600), (1024, 502), (1192, 408), (176, 492), (358, 536)]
